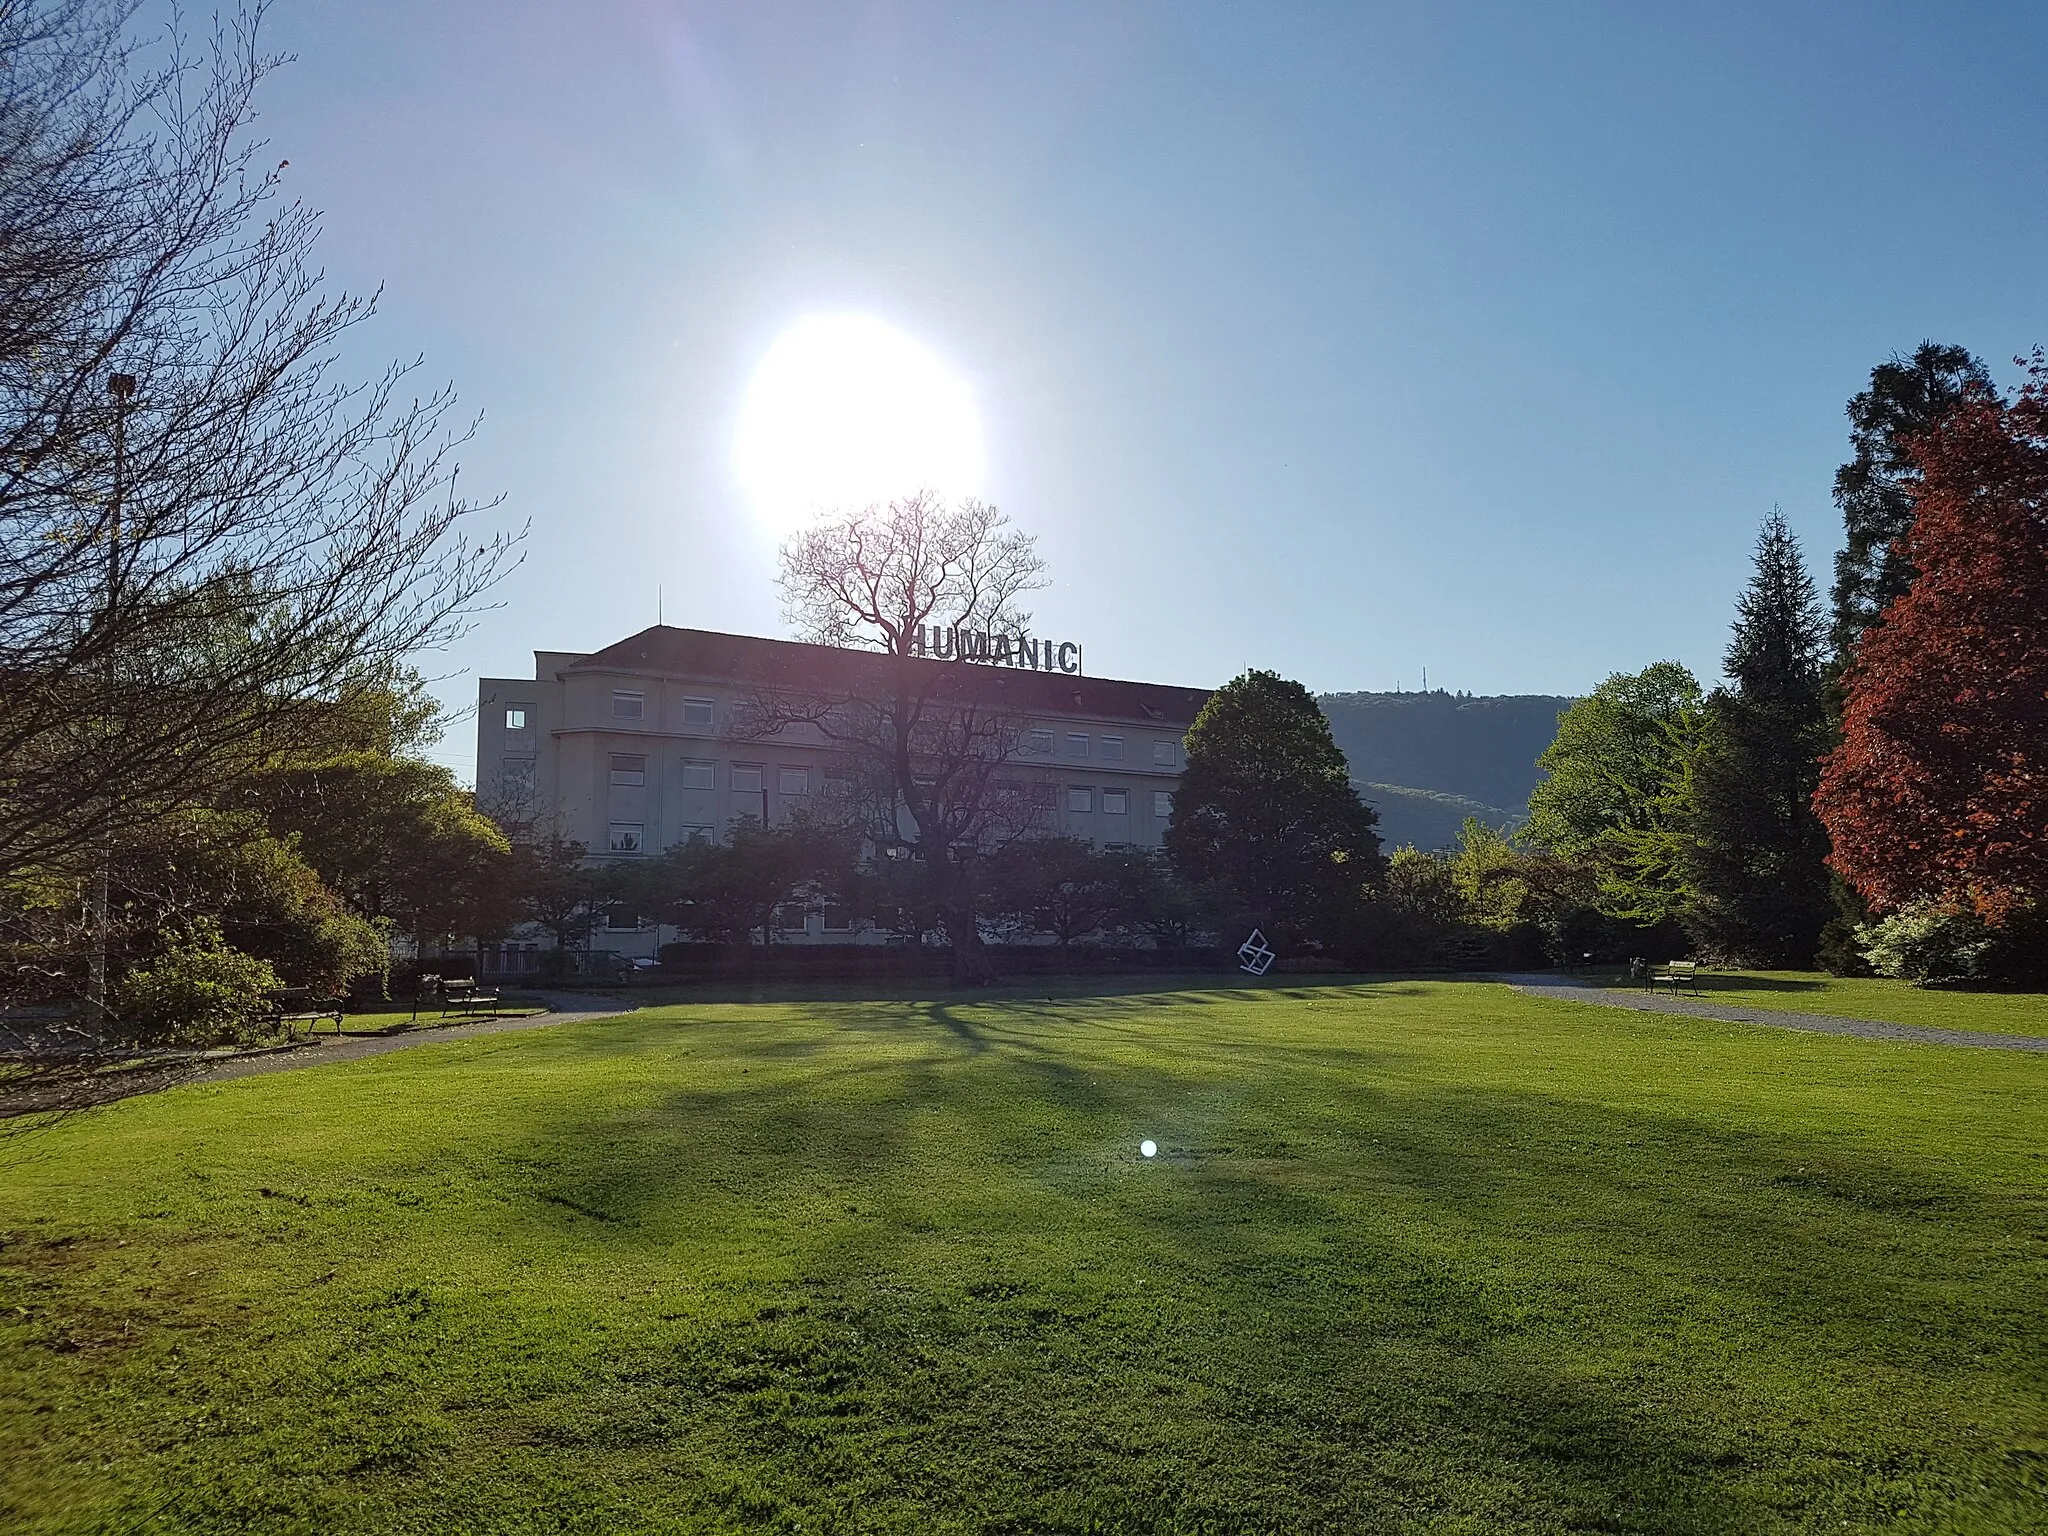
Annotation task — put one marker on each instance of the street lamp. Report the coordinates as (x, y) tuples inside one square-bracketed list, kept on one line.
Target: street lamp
[(121, 386)]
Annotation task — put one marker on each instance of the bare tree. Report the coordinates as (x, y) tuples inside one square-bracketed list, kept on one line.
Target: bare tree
[(206, 531), (930, 748)]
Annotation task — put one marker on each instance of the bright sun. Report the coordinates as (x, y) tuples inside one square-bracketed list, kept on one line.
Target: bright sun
[(846, 410)]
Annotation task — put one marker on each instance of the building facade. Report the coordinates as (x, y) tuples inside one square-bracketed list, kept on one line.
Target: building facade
[(637, 748)]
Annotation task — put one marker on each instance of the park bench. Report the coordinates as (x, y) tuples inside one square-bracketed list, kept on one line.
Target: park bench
[(292, 1006), (1676, 974), (467, 997)]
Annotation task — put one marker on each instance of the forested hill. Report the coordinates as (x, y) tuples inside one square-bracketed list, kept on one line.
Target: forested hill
[(1426, 761)]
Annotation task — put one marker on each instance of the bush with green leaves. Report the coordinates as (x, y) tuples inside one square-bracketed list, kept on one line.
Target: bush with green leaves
[(1928, 942), (198, 991)]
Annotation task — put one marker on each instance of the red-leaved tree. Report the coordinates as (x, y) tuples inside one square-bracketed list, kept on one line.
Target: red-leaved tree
[(1939, 788)]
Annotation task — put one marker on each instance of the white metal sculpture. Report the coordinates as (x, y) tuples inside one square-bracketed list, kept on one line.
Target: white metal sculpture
[(1257, 955)]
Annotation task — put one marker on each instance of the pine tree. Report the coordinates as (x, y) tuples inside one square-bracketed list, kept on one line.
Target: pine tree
[(1907, 397), (1756, 858)]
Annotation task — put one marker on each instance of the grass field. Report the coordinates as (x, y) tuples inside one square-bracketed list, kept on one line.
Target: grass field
[(1895, 1002), (1413, 1256)]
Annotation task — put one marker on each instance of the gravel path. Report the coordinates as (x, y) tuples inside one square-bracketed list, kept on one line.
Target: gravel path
[(1817, 1023), (563, 1008)]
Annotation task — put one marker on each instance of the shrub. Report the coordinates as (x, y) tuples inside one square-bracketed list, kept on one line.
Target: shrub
[(1927, 942), (1840, 950), (199, 991)]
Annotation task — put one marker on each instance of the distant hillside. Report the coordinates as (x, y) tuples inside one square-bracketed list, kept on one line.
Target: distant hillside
[(1426, 761)]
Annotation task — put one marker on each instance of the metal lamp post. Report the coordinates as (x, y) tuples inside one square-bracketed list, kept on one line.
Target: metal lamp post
[(122, 387)]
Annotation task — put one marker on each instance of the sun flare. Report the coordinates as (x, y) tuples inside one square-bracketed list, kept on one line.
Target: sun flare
[(845, 410)]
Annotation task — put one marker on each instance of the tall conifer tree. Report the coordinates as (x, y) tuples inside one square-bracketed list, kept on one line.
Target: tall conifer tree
[(1757, 855), (1907, 397)]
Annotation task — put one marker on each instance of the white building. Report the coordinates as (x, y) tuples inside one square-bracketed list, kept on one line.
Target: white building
[(633, 749)]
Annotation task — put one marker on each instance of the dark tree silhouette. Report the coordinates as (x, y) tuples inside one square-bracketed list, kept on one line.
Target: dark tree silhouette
[(1756, 855), (1266, 810), (1907, 396), (929, 749)]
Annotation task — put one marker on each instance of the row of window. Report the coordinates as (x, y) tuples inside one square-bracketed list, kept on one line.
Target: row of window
[(630, 705), (629, 769), (1115, 802), (1081, 746), (626, 705), (703, 713), (631, 836)]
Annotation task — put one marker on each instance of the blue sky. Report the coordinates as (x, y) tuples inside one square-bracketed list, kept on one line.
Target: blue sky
[(1337, 340)]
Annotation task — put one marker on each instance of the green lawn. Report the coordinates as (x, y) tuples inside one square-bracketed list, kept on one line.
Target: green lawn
[(1414, 1256), (1895, 1002)]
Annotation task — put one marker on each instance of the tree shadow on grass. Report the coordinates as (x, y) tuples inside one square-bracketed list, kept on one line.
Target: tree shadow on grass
[(915, 1276), (1431, 1304), (1731, 981)]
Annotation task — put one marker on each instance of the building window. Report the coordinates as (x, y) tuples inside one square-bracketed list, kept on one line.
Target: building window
[(517, 779), (629, 769), (1080, 801), (1112, 749), (1043, 797), (627, 837), (1162, 802), (747, 778), (838, 919), (700, 712), (628, 706), (515, 716), (698, 774), (792, 919), (1116, 802), (1163, 754), (620, 918), (1077, 743), (689, 833), (1038, 743), (792, 781)]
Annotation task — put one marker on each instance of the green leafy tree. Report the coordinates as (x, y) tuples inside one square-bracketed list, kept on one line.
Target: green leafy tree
[(899, 894), (731, 891), (1266, 811), (1756, 857), (219, 871), (1907, 397), (199, 991), (1153, 900), (554, 888), (1617, 791), (1059, 886), (399, 840)]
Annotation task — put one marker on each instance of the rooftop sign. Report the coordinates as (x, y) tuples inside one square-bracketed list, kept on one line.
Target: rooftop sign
[(952, 643)]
